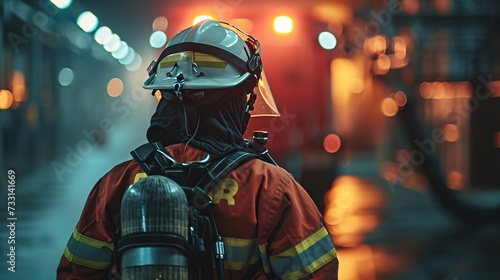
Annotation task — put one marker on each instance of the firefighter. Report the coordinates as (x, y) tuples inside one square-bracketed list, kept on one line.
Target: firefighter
[(208, 81)]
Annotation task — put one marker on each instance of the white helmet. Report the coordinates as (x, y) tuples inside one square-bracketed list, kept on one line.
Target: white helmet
[(213, 55)]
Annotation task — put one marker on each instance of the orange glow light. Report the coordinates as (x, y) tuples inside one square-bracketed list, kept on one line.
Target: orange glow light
[(426, 90), (283, 24), (332, 143), (349, 225), (389, 107), (493, 88), (344, 199), (333, 13), (397, 63), (115, 87), (18, 87), (382, 65), (410, 7), (497, 139), (200, 18), (351, 207), (6, 99), (461, 90), (446, 90), (439, 90), (451, 132), (333, 216), (399, 46), (375, 45), (357, 85), (455, 180)]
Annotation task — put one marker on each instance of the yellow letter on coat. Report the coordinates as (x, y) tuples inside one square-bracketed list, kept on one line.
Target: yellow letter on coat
[(225, 189)]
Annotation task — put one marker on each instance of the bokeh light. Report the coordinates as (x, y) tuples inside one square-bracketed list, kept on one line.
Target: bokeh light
[(122, 51), (6, 99), (283, 24), (65, 77), (400, 98), (103, 35), (451, 132), (160, 23), (19, 92), (332, 143), (129, 58), (87, 21), (399, 47), (376, 45), (327, 40), (62, 4), (389, 107), (113, 44), (158, 39), (115, 87), (135, 64), (455, 180), (383, 63)]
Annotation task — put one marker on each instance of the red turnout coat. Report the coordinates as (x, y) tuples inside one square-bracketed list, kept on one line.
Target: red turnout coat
[(262, 213)]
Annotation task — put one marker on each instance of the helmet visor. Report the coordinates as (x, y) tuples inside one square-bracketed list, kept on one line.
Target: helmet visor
[(264, 105)]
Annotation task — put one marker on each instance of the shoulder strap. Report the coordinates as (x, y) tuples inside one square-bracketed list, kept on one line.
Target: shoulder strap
[(217, 169), (149, 153)]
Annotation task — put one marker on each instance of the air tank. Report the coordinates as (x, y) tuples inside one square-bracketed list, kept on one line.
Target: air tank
[(154, 226)]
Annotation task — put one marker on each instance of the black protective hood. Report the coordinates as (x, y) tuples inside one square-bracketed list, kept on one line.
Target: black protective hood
[(217, 127)]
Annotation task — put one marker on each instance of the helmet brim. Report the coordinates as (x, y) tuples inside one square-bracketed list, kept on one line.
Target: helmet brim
[(167, 83)]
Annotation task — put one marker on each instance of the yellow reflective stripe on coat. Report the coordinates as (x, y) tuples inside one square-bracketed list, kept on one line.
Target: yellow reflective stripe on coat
[(89, 252), (240, 253), (304, 258), (265, 258)]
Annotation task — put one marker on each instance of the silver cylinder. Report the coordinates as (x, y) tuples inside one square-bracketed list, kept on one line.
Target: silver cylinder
[(154, 215)]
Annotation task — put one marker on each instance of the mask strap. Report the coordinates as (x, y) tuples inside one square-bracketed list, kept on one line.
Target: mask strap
[(249, 107), (250, 102)]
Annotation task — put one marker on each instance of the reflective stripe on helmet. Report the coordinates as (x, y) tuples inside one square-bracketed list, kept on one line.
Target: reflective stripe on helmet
[(304, 258), (201, 60), (89, 252), (202, 48)]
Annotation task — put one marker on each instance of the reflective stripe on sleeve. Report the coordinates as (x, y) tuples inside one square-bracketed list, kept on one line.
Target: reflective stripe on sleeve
[(240, 253), (304, 258), (89, 252), (265, 258)]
